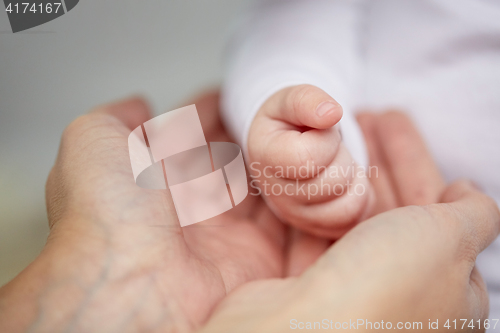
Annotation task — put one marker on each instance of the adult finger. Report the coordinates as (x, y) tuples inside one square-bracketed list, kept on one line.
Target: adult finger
[(414, 173), (385, 194), (208, 106), (303, 250), (477, 215), (94, 154)]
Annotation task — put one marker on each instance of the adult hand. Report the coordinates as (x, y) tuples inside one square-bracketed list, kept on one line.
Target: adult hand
[(408, 265), (116, 258)]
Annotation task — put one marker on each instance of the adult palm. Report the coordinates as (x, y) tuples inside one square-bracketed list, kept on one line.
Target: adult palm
[(116, 258)]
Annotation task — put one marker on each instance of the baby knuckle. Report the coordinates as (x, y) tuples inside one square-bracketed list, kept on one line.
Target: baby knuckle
[(304, 157), (301, 95)]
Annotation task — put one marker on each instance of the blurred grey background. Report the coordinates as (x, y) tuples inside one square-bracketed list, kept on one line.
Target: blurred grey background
[(167, 51)]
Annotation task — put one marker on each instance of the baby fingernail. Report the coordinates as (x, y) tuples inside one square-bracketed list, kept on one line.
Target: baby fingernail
[(326, 108)]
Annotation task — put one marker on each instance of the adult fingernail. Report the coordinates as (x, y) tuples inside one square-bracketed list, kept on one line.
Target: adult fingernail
[(326, 108)]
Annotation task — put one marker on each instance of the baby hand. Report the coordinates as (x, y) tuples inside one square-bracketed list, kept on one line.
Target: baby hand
[(301, 166)]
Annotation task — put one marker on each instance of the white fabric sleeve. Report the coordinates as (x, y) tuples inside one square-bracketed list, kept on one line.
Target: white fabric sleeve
[(288, 42)]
